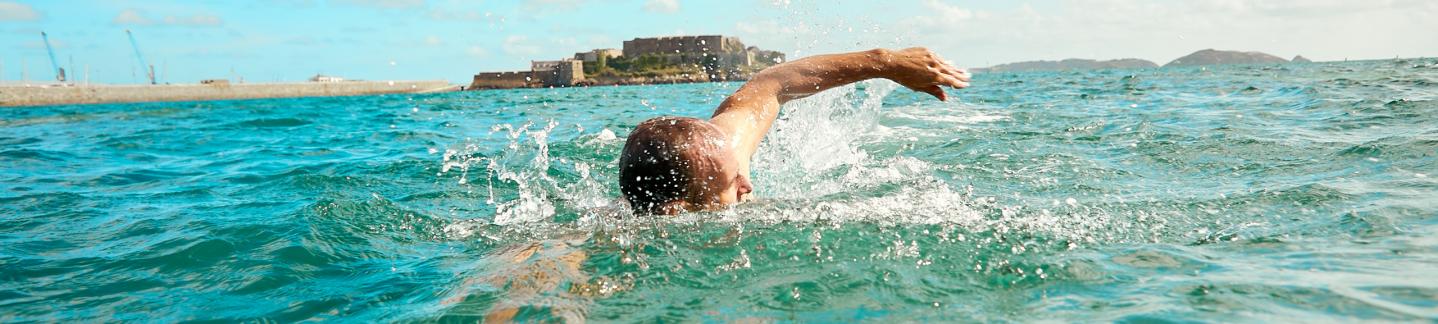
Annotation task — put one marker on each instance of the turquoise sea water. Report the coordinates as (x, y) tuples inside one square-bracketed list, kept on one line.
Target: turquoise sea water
[(1257, 193)]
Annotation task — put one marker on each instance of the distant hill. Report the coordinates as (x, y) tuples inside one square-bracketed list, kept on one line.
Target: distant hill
[(1071, 64), (1300, 59), (1215, 57)]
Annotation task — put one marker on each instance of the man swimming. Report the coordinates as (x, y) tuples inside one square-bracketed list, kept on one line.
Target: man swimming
[(675, 164)]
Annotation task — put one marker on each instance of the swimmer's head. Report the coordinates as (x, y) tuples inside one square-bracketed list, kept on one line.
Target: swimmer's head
[(673, 164)]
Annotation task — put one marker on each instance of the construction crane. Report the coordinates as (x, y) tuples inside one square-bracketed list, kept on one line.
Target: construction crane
[(59, 72), (149, 69)]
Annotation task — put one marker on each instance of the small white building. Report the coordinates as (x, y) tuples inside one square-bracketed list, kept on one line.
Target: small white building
[(326, 78)]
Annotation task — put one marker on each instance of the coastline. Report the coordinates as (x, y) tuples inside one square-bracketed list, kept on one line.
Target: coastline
[(44, 95), (616, 81)]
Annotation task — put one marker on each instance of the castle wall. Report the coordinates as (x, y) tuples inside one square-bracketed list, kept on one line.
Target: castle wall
[(593, 55), (502, 80), (681, 44), (570, 73), (563, 74)]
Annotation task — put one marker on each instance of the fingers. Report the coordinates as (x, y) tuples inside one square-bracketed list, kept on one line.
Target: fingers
[(950, 80), (936, 91), (952, 76), (931, 73), (963, 74), (957, 73)]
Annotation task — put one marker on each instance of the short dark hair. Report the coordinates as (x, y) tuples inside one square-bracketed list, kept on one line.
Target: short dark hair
[(661, 161)]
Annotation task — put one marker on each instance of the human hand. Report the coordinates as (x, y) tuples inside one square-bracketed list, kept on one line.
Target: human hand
[(921, 70)]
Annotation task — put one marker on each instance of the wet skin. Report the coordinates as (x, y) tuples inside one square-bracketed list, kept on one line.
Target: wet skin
[(746, 116)]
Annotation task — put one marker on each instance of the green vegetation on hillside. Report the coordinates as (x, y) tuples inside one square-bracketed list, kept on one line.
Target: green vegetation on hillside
[(649, 65)]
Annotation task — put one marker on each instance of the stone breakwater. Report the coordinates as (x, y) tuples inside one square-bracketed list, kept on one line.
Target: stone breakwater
[(91, 94)]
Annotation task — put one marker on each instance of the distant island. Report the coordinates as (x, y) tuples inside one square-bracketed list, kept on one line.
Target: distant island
[(1201, 57), (1071, 64), (680, 59), (1217, 57)]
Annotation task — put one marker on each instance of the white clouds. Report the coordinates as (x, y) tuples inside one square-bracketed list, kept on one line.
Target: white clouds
[(1304, 7), (14, 11), (465, 15), (433, 40), (662, 6), (601, 41), (477, 52), (756, 27), (131, 17), (982, 34), (552, 5), (565, 42), (943, 17), (194, 20), (387, 4), (519, 45), (1161, 31), (135, 17), (948, 12)]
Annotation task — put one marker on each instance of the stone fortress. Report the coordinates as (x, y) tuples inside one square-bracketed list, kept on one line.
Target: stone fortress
[(721, 57), (728, 51)]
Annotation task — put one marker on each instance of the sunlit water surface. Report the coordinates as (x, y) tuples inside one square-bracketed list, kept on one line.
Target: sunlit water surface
[(1292, 192)]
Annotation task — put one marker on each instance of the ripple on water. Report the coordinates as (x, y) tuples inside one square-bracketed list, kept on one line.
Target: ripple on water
[(272, 122)]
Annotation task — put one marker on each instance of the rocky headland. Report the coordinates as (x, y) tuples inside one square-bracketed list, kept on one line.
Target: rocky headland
[(1217, 57), (1201, 57), (1072, 64)]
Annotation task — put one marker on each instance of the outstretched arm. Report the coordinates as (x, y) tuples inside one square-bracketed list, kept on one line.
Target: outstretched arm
[(747, 114)]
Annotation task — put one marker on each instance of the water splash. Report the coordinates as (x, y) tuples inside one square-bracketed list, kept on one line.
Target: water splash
[(525, 163), (813, 137)]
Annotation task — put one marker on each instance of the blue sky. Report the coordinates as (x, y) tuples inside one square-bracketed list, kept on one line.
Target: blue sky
[(290, 40)]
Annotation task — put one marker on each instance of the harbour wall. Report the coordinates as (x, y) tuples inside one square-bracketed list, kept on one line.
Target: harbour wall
[(566, 73), (82, 94), (503, 80)]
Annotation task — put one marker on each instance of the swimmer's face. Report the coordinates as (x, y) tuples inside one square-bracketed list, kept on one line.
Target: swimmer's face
[(734, 185), (720, 184)]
